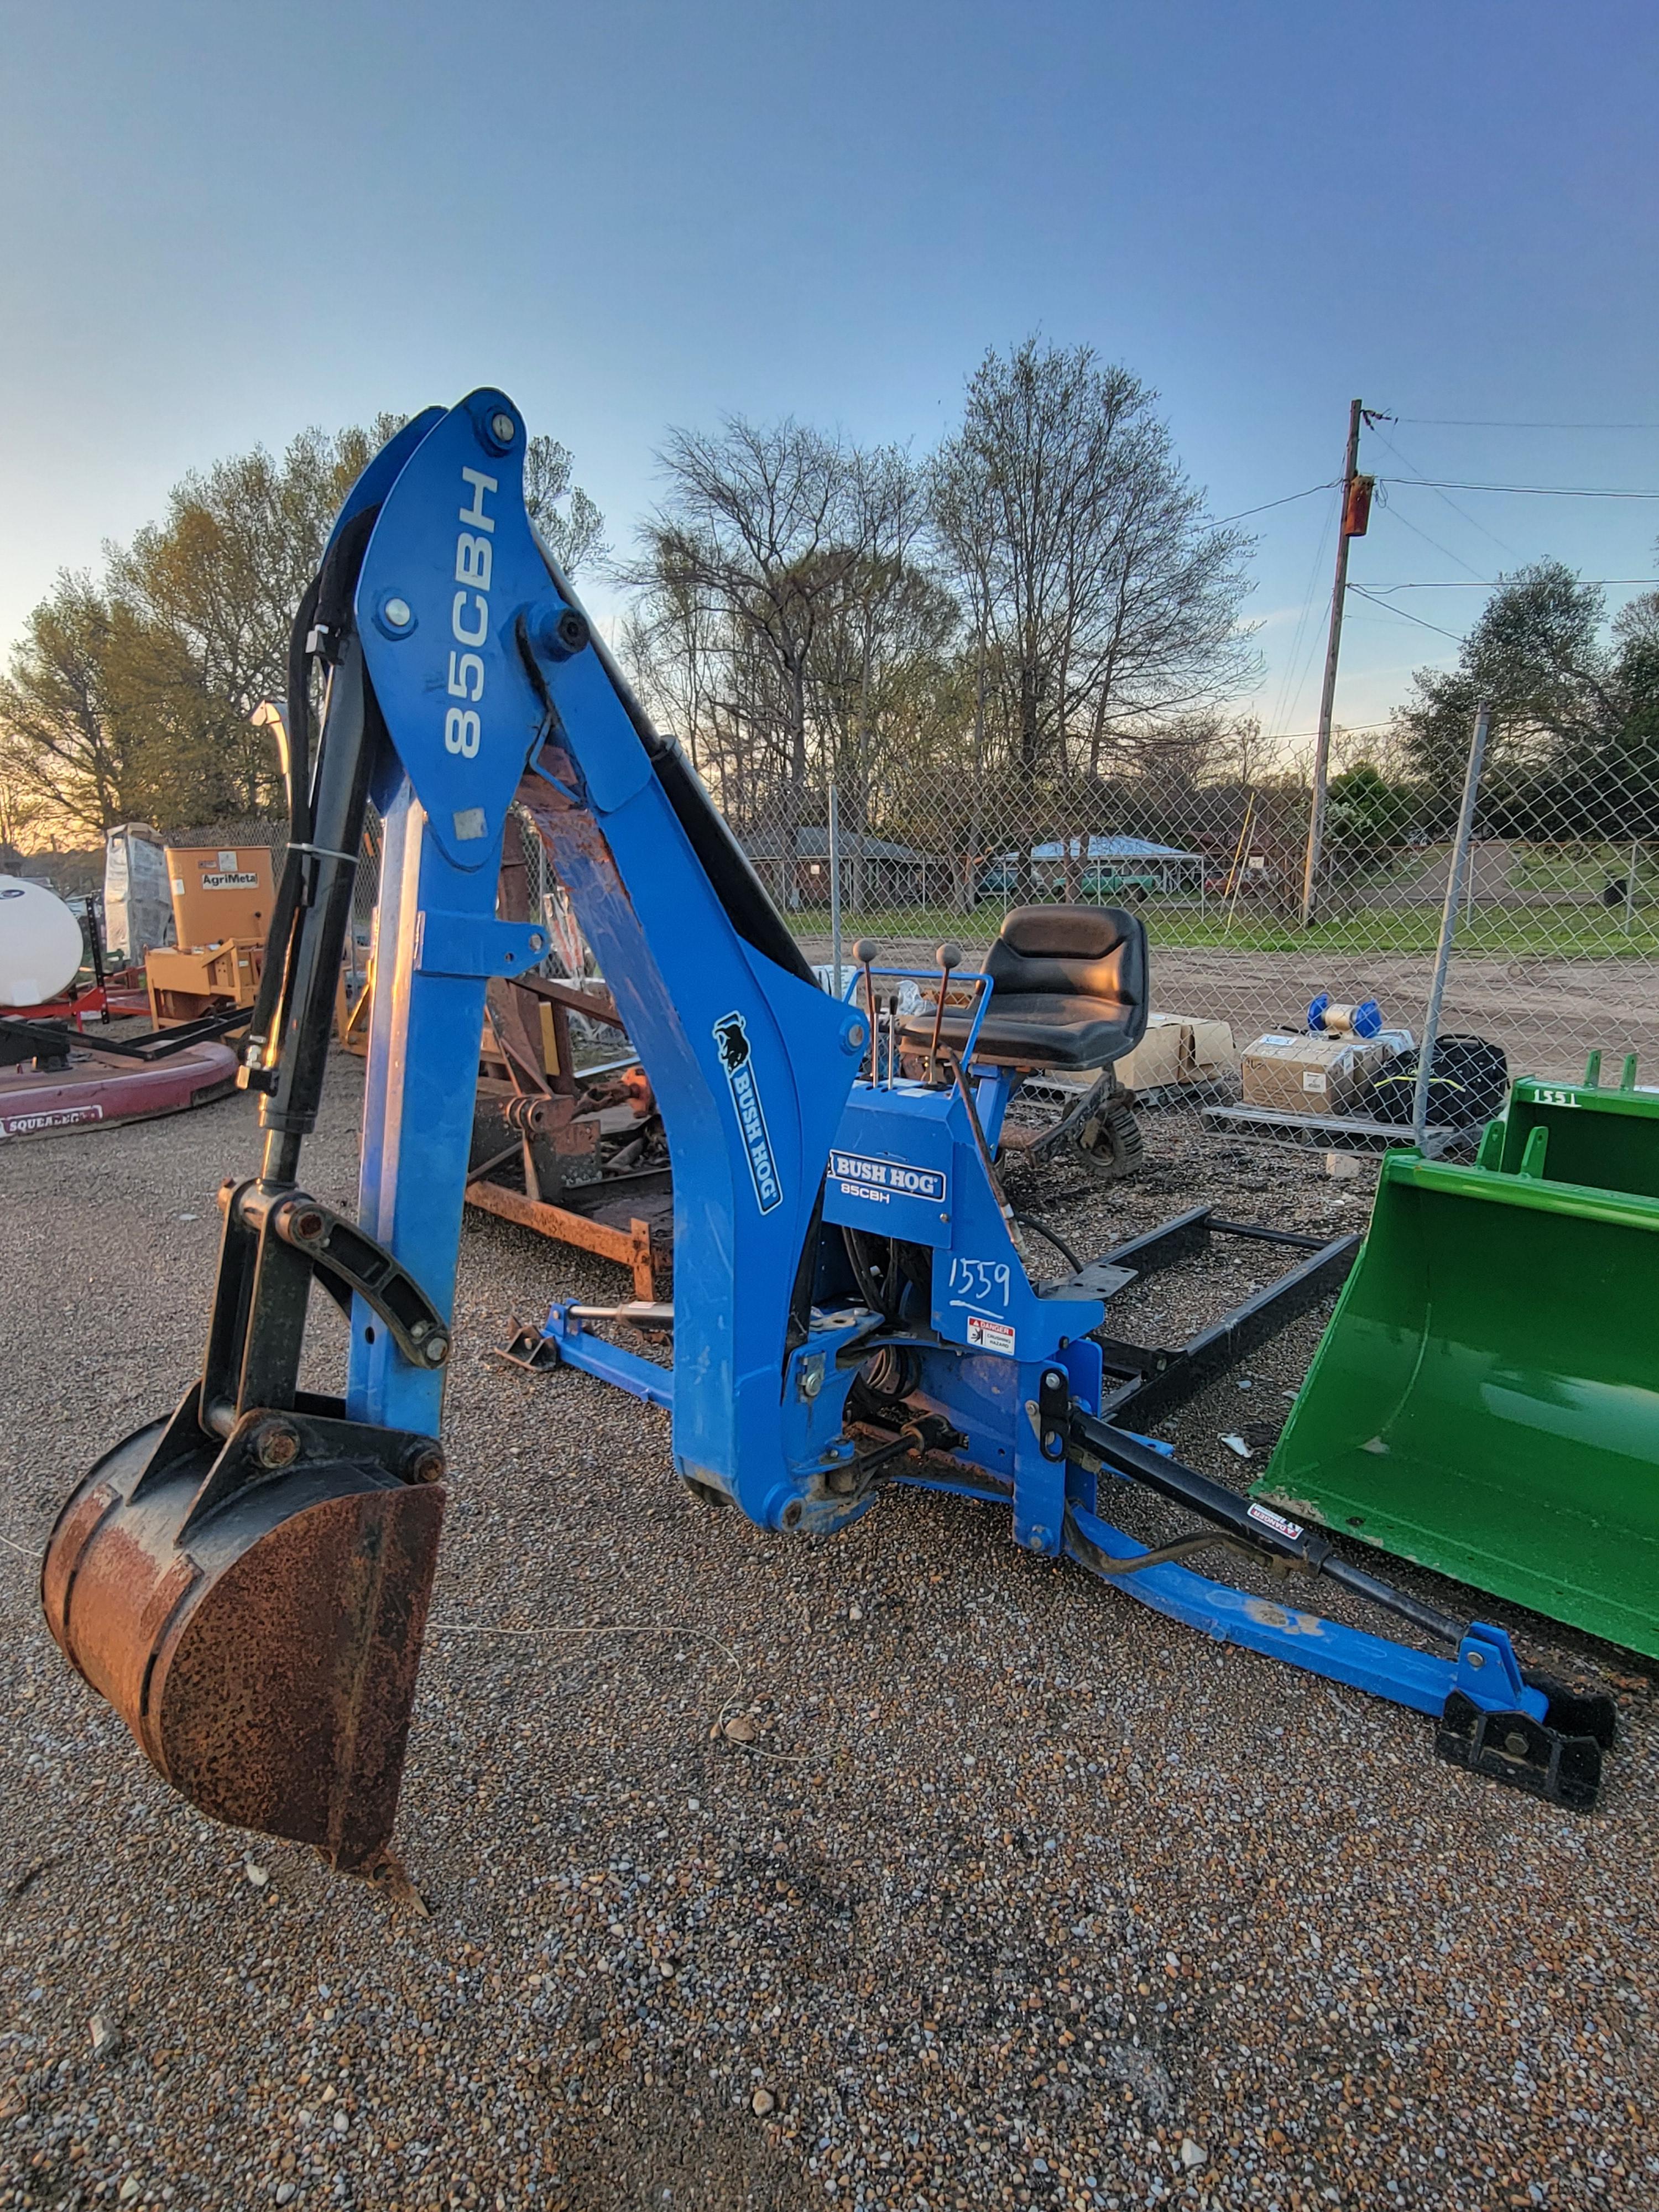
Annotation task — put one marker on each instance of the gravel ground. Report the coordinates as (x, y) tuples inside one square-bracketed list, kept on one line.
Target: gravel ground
[(1016, 1894)]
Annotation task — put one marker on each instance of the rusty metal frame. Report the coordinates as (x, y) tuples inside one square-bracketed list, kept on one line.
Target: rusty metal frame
[(631, 1247)]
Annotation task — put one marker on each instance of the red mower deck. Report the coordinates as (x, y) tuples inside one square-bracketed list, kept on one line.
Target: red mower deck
[(93, 1089)]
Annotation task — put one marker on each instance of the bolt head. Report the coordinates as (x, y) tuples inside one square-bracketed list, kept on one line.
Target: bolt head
[(562, 633), (398, 613), (1476, 1659), (504, 427), (538, 941), (435, 1350), (276, 1444)]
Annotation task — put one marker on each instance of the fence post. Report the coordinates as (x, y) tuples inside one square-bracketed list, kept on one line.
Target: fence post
[(1449, 922), (835, 883)]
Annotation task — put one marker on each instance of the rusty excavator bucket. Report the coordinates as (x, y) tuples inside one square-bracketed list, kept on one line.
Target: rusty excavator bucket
[(254, 1613), (248, 1583)]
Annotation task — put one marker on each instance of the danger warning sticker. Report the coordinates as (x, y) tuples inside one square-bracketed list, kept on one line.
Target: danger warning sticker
[(991, 1335), (1276, 1522)]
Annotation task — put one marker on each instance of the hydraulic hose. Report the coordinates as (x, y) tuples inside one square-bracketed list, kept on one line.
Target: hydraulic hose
[(267, 1000)]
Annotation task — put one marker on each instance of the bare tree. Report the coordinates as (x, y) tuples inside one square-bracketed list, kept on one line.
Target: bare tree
[(566, 517), (762, 530), (1105, 594), (879, 662)]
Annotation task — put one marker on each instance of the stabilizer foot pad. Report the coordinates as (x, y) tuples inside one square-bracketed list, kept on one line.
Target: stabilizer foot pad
[(1541, 1757), (531, 1350)]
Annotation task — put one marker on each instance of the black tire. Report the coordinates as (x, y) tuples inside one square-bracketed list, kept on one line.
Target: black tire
[(1098, 1132), (1109, 1144)]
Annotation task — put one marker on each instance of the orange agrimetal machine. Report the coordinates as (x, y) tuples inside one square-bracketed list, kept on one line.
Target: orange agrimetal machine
[(221, 902)]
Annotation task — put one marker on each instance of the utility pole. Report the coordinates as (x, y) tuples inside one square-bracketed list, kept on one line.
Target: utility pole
[(1328, 694)]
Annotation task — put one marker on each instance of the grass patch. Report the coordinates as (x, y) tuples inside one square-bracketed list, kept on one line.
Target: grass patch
[(1566, 933)]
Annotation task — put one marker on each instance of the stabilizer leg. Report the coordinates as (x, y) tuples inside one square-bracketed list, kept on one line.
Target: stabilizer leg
[(1525, 1732)]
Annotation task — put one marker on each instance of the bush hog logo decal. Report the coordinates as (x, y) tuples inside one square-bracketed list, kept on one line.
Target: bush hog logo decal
[(861, 1177), (731, 1036)]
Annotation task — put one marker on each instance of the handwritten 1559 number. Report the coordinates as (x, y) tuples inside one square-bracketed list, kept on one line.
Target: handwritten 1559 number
[(980, 1283)]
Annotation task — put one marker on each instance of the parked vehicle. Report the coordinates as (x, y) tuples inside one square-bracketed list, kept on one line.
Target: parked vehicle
[(1095, 886), (1098, 886), (1001, 881)]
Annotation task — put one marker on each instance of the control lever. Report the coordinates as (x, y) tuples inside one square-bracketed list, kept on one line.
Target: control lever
[(864, 951), (949, 957)]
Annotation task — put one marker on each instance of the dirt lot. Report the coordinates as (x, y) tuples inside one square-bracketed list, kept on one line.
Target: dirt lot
[(1018, 1896), (1548, 1015)]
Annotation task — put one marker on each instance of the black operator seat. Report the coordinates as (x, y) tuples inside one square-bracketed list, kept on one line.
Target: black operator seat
[(1070, 991)]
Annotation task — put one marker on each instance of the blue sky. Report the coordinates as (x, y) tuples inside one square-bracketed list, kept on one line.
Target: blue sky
[(221, 223)]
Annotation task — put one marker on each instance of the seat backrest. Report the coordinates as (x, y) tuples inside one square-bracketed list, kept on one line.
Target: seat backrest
[(1073, 952)]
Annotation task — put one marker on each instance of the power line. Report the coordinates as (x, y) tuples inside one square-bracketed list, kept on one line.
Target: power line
[(1348, 730), (1533, 491), (1477, 584), (1395, 515), (1406, 458), (1402, 614), (1329, 484), (1469, 423), (1295, 668)]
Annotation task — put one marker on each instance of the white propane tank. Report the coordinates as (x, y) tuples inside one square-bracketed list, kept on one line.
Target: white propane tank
[(40, 943)]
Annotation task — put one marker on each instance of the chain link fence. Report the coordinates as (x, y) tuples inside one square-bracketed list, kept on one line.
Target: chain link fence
[(1556, 953), (1556, 950)]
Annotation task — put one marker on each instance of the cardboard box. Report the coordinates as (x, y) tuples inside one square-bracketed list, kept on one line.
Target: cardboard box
[(1212, 1052), (1157, 1060), (1175, 1050), (219, 895), (184, 985), (1309, 1074)]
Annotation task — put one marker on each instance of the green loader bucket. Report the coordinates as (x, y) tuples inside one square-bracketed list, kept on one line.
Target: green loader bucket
[(1606, 1138), (1486, 1400)]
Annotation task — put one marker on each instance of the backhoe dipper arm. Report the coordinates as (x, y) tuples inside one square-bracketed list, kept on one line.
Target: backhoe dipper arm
[(247, 1582)]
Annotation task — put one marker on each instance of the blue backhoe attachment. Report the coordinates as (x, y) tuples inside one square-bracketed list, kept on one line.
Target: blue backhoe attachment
[(247, 1582)]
